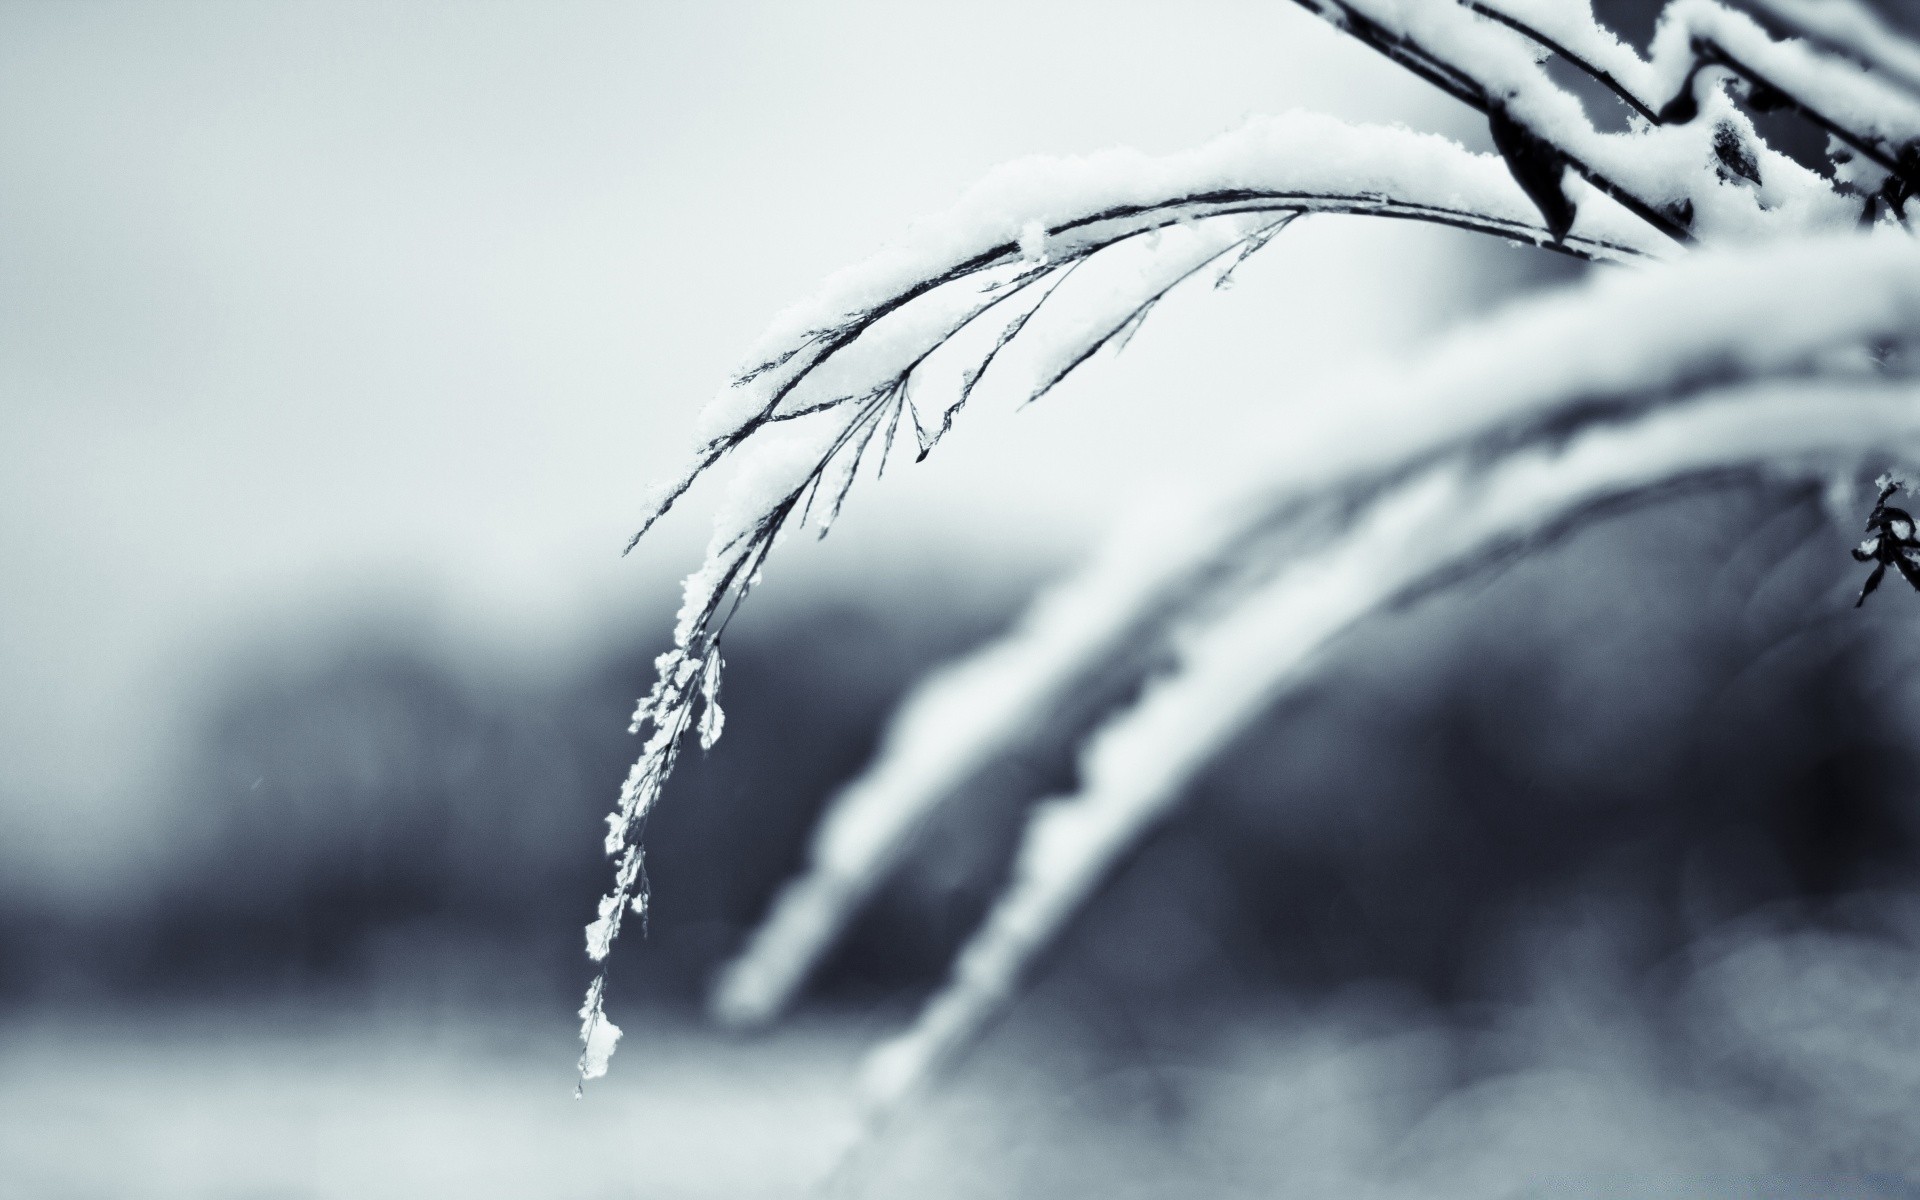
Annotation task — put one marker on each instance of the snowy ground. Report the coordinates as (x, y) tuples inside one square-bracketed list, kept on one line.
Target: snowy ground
[(319, 1105), (1781, 1069)]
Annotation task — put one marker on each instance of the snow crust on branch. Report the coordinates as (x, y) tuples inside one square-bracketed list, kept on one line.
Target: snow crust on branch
[(1297, 159), (1841, 89), (598, 1036)]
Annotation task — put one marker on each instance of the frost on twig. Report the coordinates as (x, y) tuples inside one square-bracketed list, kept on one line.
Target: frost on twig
[(598, 1036)]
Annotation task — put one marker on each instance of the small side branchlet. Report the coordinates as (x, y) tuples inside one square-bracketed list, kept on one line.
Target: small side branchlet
[(1890, 541)]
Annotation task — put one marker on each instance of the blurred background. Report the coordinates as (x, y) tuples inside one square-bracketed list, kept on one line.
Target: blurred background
[(339, 344)]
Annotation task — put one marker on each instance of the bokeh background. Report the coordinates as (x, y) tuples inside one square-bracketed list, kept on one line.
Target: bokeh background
[(339, 344)]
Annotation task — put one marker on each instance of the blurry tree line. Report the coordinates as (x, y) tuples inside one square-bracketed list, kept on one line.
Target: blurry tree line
[(1589, 728)]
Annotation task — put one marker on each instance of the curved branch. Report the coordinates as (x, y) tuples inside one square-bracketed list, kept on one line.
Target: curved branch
[(1591, 70), (1087, 645), (1300, 163), (1209, 203)]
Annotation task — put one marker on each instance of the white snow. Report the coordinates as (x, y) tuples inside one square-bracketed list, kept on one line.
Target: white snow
[(1837, 89), (597, 1034), (1295, 160)]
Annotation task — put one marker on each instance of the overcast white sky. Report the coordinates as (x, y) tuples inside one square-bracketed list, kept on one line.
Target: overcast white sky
[(309, 308)]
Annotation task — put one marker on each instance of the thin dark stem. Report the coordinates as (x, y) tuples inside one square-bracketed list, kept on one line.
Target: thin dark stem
[(1012, 331), (1253, 245), (1467, 90), (1136, 314), (1710, 52), (1006, 291), (1707, 52), (1174, 211), (1598, 74)]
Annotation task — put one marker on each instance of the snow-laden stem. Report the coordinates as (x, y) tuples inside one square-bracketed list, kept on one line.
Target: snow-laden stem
[(1295, 164), (1094, 639)]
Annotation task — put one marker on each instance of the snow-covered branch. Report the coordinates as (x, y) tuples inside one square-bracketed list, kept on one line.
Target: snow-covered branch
[(1559, 371), (1029, 222), (1509, 433), (898, 345)]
